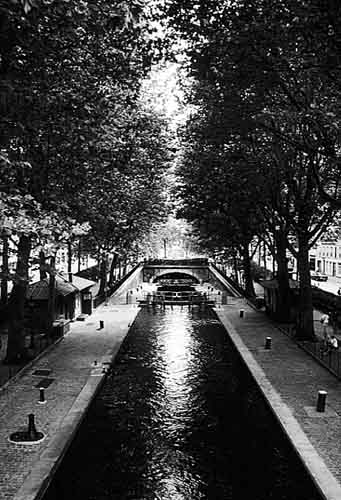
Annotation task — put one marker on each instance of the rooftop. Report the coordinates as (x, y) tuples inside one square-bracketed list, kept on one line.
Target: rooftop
[(40, 289)]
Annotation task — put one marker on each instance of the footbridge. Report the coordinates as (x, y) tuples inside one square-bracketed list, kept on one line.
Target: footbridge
[(199, 271)]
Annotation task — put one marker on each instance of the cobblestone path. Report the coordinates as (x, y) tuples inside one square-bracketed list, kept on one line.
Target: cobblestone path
[(291, 379), (70, 365)]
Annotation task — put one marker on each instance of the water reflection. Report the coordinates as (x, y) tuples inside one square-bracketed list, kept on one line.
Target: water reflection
[(179, 419), (173, 368), (173, 408)]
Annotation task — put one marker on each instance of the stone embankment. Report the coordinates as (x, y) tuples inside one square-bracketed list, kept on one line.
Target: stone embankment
[(290, 380), (71, 371)]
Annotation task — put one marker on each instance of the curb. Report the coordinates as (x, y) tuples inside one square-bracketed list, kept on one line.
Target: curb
[(318, 471), (38, 480)]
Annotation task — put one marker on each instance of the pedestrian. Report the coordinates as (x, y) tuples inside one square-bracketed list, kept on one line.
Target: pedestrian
[(325, 320), (339, 291), (332, 345)]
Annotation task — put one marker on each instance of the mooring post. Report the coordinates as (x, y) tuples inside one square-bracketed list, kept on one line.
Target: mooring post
[(42, 399), (321, 401), (32, 431), (268, 341)]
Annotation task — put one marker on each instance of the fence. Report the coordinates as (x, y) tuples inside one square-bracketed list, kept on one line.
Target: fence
[(180, 297), (329, 358)]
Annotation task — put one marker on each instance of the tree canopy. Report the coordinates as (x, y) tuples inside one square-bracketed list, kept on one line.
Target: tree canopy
[(266, 95)]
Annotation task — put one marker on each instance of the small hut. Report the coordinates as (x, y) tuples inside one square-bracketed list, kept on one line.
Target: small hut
[(73, 298)]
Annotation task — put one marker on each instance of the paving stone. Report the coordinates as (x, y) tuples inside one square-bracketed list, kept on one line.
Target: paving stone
[(295, 379), (70, 363)]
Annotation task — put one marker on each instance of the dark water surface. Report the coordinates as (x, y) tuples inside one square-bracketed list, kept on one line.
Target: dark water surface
[(179, 418)]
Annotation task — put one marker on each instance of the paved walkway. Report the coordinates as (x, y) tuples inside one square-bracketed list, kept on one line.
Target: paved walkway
[(291, 379), (75, 379)]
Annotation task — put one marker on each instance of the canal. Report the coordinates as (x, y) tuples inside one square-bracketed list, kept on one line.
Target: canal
[(180, 418)]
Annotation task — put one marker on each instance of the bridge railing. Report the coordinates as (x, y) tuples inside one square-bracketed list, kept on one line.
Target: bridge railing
[(177, 262), (188, 297)]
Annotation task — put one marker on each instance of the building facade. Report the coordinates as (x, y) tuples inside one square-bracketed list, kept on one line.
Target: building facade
[(327, 257)]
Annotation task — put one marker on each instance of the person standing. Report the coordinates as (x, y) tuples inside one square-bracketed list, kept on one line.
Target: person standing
[(325, 320)]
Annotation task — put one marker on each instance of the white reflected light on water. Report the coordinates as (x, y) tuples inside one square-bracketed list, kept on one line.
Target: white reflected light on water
[(173, 406)]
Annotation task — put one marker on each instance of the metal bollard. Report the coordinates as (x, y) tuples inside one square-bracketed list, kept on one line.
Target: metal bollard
[(321, 401), (42, 399), (268, 341), (241, 313), (101, 324), (32, 431)]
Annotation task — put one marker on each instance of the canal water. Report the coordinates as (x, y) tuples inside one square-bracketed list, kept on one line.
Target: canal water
[(180, 418)]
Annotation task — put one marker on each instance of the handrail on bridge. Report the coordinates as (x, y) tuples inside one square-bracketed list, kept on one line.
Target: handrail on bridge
[(177, 262)]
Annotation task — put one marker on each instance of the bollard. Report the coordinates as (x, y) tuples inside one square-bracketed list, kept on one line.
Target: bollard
[(268, 341), (32, 431), (42, 399), (101, 324), (241, 313), (321, 401)]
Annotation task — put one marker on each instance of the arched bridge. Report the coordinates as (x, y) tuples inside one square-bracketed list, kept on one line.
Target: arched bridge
[(199, 270), (196, 269)]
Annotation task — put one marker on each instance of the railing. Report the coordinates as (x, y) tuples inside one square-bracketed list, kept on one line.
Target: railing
[(184, 296), (180, 297), (99, 299), (176, 262), (328, 357), (234, 286)]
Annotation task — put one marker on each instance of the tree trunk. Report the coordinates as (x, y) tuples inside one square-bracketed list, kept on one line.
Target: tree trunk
[(51, 305), (16, 350), (284, 296), (264, 259), (79, 255), (103, 275), (69, 257), (42, 265), (4, 270), (248, 282), (305, 322), (235, 269), (112, 268), (124, 266)]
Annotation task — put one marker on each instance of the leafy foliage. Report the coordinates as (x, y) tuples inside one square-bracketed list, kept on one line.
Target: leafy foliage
[(267, 95)]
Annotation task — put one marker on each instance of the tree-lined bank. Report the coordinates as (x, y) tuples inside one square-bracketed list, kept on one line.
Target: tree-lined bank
[(261, 151), (82, 156)]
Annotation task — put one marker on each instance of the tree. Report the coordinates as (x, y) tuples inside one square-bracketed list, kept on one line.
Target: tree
[(275, 87), (58, 60), (127, 198)]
